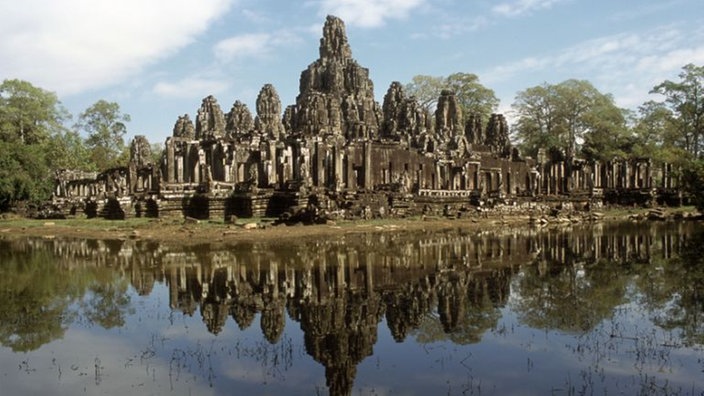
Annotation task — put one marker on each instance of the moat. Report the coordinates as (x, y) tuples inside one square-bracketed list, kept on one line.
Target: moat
[(612, 308)]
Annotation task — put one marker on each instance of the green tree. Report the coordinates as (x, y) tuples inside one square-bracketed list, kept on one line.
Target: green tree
[(655, 133), (568, 116), (685, 99), (678, 125), (29, 114), (31, 137), (473, 97), (67, 150), (24, 174), (104, 124), (426, 90)]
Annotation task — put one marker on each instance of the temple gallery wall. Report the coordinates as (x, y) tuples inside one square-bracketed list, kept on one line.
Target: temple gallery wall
[(339, 152)]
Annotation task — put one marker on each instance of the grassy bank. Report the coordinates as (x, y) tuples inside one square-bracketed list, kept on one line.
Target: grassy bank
[(181, 231)]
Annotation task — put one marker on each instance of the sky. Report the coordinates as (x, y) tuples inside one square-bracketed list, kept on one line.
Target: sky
[(159, 58)]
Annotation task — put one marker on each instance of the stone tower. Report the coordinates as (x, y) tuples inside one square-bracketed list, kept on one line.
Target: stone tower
[(268, 121), (239, 120), (210, 122), (336, 94)]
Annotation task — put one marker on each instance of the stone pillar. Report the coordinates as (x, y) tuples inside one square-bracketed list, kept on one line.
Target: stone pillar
[(437, 185), (351, 181), (337, 168), (597, 175), (170, 164), (272, 175), (179, 169), (316, 171), (367, 153)]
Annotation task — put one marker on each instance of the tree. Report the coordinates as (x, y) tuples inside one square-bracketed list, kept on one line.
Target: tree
[(685, 99), (29, 114), (568, 116), (67, 150), (473, 97), (426, 90), (24, 174), (105, 126), (655, 133), (31, 121), (538, 124)]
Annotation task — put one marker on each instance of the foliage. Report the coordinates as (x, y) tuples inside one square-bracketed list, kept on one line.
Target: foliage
[(24, 173), (105, 126), (693, 182), (568, 115), (28, 114), (31, 137), (67, 150), (473, 97), (685, 101), (655, 133)]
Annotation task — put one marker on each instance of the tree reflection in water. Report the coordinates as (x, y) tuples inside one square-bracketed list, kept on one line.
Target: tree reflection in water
[(430, 287)]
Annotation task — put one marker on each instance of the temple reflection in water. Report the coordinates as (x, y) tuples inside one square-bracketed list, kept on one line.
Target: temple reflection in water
[(341, 290)]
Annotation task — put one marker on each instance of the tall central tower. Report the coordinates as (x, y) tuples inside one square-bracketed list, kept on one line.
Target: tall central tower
[(336, 95)]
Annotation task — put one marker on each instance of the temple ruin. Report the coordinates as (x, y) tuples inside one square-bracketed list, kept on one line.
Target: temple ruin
[(338, 151)]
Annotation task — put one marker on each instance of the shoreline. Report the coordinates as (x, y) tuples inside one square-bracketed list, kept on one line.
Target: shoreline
[(190, 232)]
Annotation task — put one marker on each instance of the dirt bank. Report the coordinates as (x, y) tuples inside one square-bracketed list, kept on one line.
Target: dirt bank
[(181, 231)]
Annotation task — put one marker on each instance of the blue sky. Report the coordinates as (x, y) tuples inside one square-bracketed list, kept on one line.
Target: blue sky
[(159, 58)]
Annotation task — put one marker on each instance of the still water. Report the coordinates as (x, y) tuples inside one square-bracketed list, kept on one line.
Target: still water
[(611, 309)]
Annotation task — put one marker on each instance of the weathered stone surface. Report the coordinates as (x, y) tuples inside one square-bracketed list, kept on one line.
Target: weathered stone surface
[(210, 123), (448, 116), (394, 111), (268, 121), (239, 120), (184, 128), (403, 116), (336, 95), (497, 136), (473, 130), (140, 151), (333, 44)]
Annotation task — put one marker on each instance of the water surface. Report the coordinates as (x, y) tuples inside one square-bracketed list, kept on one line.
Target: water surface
[(611, 309)]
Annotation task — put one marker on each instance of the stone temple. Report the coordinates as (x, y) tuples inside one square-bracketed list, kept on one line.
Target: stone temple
[(338, 151)]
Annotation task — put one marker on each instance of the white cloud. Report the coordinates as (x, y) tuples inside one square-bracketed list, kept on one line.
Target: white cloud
[(185, 88), (626, 65), (367, 13), (73, 46), (522, 7), (244, 46)]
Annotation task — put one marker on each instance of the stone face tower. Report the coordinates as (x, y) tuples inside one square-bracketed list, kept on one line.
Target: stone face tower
[(210, 122), (268, 120), (336, 94)]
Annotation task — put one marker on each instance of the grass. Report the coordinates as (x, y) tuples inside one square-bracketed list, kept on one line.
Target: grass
[(17, 222)]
